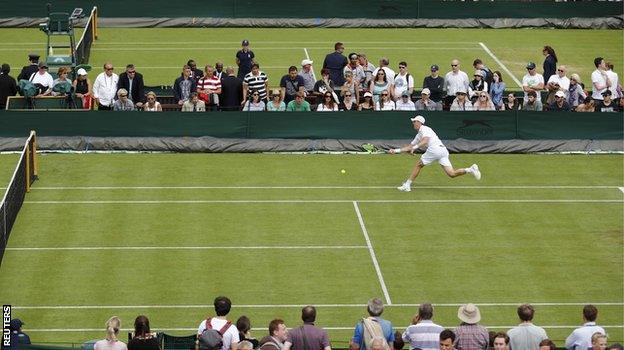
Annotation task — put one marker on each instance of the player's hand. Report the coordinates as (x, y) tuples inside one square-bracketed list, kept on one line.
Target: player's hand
[(391, 151), (412, 151)]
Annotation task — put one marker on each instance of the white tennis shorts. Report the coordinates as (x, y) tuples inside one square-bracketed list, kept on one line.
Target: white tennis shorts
[(439, 153)]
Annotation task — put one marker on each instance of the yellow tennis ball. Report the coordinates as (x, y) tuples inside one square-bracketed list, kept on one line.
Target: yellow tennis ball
[(343, 171)]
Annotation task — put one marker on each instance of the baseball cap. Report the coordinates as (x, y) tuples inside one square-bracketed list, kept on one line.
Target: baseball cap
[(418, 118), (368, 94), (606, 92), (81, 71), (559, 94), (434, 67), (530, 65), (425, 91), (33, 56), (306, 62), (42, 65), (16, 324), (245, 42), (480, 73), (463, 92)]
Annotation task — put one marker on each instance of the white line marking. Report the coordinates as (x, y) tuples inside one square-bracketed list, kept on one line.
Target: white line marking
[(501, 65), (554, 187), (328, 43), (243, 201), (372, 254), (621, 189), (187, 248), (287, 306), (308, 57), (284, 48)]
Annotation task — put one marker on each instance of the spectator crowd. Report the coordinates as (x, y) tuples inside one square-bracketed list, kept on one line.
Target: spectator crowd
[(347, 83)]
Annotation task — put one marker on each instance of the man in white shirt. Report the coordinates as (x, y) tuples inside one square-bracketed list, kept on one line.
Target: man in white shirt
[(220, 323), (600, 79), (105, 88), (526, 336), (614, 79), (383, 64), (403, 81), (308, 75), (559, 81), (580, 339), (533, 81), (435, 151), (454, 81), (42, 80), (405, 103)]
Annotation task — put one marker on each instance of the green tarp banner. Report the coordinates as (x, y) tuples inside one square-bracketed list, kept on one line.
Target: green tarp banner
[(316, 125)]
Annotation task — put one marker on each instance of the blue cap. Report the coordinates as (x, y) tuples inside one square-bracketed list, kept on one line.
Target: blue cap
[(530, 65), (245, 42), (16, 324)]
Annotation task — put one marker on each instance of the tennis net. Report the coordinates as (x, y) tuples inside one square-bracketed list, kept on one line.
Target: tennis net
[(83, 48), (24, 175)]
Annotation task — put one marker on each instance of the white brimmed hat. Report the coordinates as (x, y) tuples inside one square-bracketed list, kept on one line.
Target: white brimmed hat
[(418, 118), (469, 313), (81, 71), (368, 94), (306, 62), (425, 91)]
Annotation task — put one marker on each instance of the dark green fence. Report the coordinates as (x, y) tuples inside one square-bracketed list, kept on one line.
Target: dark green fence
[(314, 125)]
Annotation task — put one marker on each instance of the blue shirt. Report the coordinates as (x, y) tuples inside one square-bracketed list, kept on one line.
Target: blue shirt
[(245, 60), (497, 90), (580, 339), (335, 62), (386, 327)]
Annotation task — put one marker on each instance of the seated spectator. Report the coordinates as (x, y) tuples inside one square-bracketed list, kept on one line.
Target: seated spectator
[(576, 95), (184, 85), (532, 103), (152, 105), (194, 104), (299, 104), (277, 336), (368, 68), (62, 85), (132, 81), (368, 104), (447, 340), (243, 324), (349, 103), (143, 338), (82, 88), (588, 105), (558, 82), (497, 89), (276, 104), (426, 103), (17, 335), (113, 326), (405, 103), (598, 341), (478, 84), (290, 84), (560, 103), (308, 75), (379, 84), (607, 104), (123, 103), (255, 104), (323, 85), (512, 103), (385, 103), (501, 341), (350, 86), (42, 80), (461, 102), (209, 89), (328, 104), (547, 344), (483, 102)]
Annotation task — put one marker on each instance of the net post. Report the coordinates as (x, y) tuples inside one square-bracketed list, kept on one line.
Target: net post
[(35, 157), (95, 24), (27, 172)]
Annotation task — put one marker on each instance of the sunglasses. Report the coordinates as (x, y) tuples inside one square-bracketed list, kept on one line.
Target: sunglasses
[(401, 67), (328, 96), (132, 72), (349, 95), (123, 95), (111, 68), (150, 99), (454, 65), (560, 70), (483, 96)]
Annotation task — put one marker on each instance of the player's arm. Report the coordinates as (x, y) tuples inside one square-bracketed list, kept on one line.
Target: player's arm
[(410, 147)]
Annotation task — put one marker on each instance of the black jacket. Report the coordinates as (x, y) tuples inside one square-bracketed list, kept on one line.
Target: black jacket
[(8, 87), (138, 87), (27, 71), (231, 93), (177, 90)]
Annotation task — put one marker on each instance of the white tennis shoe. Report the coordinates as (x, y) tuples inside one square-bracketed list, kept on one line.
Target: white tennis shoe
[(404, 188), (475, 171)]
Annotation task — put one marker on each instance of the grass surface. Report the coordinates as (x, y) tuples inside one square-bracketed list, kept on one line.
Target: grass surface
[(443, 252), (159, 53)]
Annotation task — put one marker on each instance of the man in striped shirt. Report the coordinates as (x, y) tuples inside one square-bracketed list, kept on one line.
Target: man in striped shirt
[(423, 333), (255, 80), (209, 88)]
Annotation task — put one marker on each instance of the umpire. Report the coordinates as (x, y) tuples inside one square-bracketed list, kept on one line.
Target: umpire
[(27, 71)]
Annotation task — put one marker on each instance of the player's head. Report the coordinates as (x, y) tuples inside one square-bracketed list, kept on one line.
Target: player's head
[(418, 121)]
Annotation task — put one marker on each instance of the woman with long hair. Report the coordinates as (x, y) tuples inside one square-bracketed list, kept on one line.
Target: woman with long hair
[(328, 105), (385, 102), (143, 338), (368, 104), (512, 103), (550, 62), (243, 324), (255, 104), (113, 325), (483, 102), (379, 84), (497, 90)]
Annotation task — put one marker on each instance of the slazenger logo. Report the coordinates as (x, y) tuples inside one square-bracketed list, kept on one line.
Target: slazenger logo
[(475, 127)]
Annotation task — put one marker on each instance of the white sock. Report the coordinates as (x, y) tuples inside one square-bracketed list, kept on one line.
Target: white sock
[(408, 182), (468, 170)]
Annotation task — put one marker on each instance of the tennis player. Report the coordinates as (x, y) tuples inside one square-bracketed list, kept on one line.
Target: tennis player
[(435, 151)]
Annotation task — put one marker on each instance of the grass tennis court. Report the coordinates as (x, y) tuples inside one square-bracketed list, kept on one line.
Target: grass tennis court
[(159, 53), (163, 234)]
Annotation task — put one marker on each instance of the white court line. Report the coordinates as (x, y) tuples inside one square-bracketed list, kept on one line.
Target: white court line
[(328, 43), (501, 65), (557, 187), (288, 306), (243, 201), (308, 57), (187, 248), (372, 254), (368, 48)]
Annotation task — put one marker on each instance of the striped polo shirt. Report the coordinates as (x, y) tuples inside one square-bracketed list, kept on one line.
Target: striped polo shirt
[(257, 82), (424, 335)]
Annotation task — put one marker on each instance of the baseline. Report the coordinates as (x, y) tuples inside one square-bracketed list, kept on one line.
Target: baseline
[(618, 201), (554, 187)]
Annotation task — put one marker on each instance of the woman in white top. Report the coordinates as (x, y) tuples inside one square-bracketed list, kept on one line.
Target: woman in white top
[(255, 104), (385, 102), (113, 325), (483, 102), (152, 105), (328, 105)]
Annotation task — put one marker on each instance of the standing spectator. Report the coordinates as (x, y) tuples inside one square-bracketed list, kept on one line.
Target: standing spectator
[(470, 335), (483, 102), (580, 338), (403, 81), (123, 103), (277, 336), (308, 336), (423, 333), (616, 89), (435, 84), (599, 341), (299, 104), (607, 104), (350, 86), (255, 104), (385, 103), (31, 68), (501, 341), (17, 335), (356, 70), (193, 104), (600, 79), (478, 84), (426, 103), (152, 105), (349, 103), (560, 104), (368, 68), (8, 85), (83, 88), (447, 340), (324, 84), (455, 81), (512, 103), (132, 81), (243, 324), (184, 85), (244, 60), (405, 103), (222, 306), (290, 84), (368, 104), (308, 75), (497, 89), (276, 104), (42, 80), (335, 63), (559, 81), (384, 63), (143, 338), (374, 322), (531, 103), (532, 82), (218, 71), (526, 336), (209, 89), (550, 62), (478, 65), (196, 73), (255, 80), (576, 94), (111, 342), (461, 102), (231, 91), (328, 104), (380, 84), (105, 87)]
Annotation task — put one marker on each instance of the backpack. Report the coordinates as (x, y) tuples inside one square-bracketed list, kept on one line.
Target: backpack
[(29, 91), (372, 329), (212, 339)]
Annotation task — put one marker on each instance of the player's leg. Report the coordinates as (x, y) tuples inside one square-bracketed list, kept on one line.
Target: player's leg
[(452, 172), (407, 185)]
